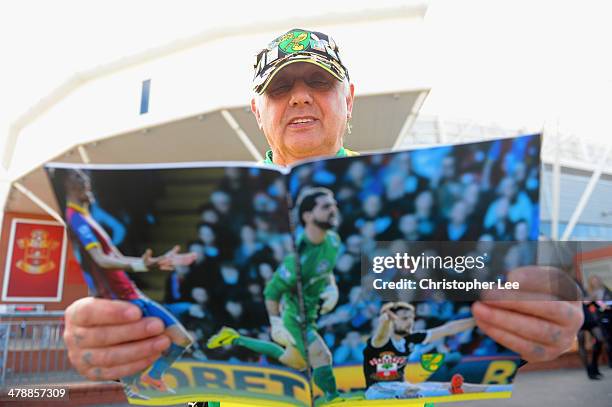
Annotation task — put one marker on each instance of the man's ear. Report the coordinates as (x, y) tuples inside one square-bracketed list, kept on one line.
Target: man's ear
[(256, 113), (349, 100)]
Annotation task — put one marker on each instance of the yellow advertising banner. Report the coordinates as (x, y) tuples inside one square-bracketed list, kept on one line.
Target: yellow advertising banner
[(244, 385)]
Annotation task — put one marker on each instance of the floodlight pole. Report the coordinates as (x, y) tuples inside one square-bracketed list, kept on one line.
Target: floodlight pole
[(83, 153), (242, 135), (584, 199), (556, 189)]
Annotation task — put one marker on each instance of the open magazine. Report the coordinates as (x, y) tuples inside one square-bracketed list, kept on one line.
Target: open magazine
[(266, 301)]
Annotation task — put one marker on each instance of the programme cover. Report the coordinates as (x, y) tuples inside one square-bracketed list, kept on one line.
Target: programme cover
[(264, 299)]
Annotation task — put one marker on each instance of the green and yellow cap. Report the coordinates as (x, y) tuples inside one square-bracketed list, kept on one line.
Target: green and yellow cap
[(297, 46)]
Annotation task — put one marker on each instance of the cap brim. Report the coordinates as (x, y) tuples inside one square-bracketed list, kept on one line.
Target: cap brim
[(265, 79)]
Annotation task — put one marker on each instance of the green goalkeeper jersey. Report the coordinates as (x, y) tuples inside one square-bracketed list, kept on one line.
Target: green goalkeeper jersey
[(317, 263)]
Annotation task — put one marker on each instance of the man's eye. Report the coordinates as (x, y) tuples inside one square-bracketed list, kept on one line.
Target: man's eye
[(280, 88), (318, 83)]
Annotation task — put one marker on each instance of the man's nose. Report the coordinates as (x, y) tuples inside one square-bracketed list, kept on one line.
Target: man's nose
[(300, 94)]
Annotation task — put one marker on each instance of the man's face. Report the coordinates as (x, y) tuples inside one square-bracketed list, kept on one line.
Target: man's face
[(402, 325), (303, 112), (199, 295), (458, 212), (221, 202), (325, 212), (80, 189), (408, 224), (206, 235)]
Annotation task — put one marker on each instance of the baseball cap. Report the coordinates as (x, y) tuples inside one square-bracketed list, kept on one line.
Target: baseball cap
[(297, 45)]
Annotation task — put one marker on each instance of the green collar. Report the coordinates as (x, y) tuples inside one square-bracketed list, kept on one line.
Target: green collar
[(304, 242), (268, 160)]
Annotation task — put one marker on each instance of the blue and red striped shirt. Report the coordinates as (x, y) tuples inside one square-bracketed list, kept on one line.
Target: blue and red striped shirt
[(87, 234)]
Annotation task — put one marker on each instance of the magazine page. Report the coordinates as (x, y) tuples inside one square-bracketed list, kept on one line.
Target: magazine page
[(370, 346), (202, 247)]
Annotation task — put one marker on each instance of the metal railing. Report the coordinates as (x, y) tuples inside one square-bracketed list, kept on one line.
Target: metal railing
[(32, 349)]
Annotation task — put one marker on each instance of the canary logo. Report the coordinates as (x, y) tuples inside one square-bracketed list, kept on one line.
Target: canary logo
[(37, 252), (295, 41), (432, 361)]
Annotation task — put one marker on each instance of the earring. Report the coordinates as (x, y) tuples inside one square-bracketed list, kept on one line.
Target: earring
[(348, 124)]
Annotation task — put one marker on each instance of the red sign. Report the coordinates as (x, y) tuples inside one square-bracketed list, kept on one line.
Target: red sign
[(36, 257)]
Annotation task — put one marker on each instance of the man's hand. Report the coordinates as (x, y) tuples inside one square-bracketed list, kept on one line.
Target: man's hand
[(279, 333), (533, 321), (177, 259), (169, 260), (382, 333), (109, 339), (388, 315), (330, 298), (156, 263)]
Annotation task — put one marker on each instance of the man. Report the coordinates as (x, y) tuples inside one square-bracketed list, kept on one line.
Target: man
[(303, 102), (317, 248), (597, 309), (105, 271), (387, 352)]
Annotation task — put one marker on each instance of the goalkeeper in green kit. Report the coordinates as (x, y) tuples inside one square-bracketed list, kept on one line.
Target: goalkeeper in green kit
[(317, 248)]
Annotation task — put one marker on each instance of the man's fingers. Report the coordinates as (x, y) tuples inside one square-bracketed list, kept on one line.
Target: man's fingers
[(530, 351), (116, 372), (108, 339), (165, 264), (98, 337), (98, 312), (184, 259), (545, 280), (122, 354), (533, 338), (525, 326), (560, 312), (148, 254), (537, 283), (172, 252), (516, 295)]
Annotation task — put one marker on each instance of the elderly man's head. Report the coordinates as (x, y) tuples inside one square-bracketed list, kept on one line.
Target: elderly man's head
[(303, 99)]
